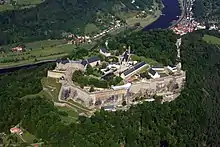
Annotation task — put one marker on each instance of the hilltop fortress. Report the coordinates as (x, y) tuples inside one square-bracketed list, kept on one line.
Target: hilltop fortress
[(158, 81)]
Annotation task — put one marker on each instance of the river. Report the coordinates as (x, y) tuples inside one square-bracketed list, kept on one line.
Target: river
[(170, 13)]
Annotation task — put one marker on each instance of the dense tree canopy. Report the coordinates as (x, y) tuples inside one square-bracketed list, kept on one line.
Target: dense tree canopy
[(207, 10), (155, 44), (14, 86), (51, 18), (192, 119)]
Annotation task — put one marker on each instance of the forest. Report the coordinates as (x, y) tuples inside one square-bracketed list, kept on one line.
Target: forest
[(52, 18), (155, 44), (191, 120), (207, 11)]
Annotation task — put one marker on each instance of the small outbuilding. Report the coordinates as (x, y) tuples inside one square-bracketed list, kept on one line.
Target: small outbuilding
[(16, 130), (93, 61), (172, 68), (104, 52), (153, 74)]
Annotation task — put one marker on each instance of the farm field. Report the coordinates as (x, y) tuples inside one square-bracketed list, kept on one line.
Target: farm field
[(36, 52), (211, 39), (35, 45), (143, 21)]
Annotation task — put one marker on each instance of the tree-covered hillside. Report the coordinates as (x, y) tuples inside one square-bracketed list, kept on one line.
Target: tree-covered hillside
[(54, 17), (190, 120), (155, 44), (207, 10)]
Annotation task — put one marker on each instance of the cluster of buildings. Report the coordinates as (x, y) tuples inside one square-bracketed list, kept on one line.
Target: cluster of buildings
[(17, 49), (166, 80), (75, 39), (115, 25), (188, 24)]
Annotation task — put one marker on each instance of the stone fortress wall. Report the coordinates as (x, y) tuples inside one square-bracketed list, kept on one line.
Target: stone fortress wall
[(115, 97), (155, 85)]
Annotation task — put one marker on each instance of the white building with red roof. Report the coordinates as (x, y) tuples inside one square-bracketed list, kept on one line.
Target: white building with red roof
[(17, 49), (16, 130)]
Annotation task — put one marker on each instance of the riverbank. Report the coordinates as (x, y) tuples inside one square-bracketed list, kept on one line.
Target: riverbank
[(183, 12), (14, 68), (145, 18), (170, 12), (143, 21)]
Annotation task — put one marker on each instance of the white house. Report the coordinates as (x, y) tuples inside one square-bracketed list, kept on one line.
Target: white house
[(172, 68), (104, 52), (201, 27), (153, 74)]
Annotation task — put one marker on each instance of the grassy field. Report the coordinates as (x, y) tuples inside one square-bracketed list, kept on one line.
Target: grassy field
[(21, 4), (143, 21), (29, 138), (91, 28), (6, 7), (211, 39), (131, 19), (28, 2), (52, 87), (35, 52)]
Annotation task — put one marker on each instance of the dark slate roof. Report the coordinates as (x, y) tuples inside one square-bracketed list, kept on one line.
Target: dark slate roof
[(93, 59), (138, 65), (104, 50), (58, 60), (62, 61), (151, 71), (134, 68), (128, 71), (84, 62), (172, 66), (125, 56)]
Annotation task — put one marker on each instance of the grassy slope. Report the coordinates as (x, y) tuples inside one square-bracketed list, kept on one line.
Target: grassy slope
[(72, 115), (21, 4), (51, 89), (29, 138), (212, 39)]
